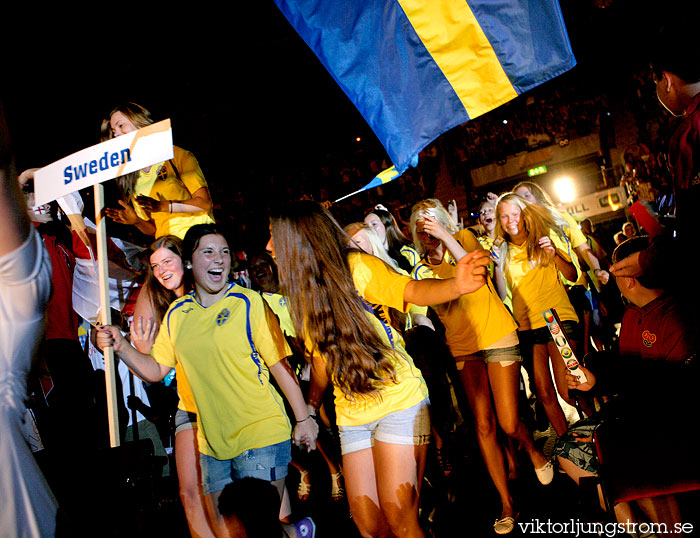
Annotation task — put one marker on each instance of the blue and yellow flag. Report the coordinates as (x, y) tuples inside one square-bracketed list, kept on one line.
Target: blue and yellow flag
[(415, 69), (382, 178)]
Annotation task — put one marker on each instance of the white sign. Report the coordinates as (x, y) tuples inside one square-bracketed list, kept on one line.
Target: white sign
[(600, 202), (126, 153)]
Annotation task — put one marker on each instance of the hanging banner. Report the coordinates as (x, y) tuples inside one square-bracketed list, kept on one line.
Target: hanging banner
[(607, 201), (121, 155)]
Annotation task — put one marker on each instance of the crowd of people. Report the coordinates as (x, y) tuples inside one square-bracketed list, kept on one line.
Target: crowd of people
[(337, 336)]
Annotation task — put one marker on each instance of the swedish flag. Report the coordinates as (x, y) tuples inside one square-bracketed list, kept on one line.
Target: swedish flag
[(390, 174), (417, 68)]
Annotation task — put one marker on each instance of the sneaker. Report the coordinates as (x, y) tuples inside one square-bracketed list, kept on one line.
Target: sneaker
[(306, 528)]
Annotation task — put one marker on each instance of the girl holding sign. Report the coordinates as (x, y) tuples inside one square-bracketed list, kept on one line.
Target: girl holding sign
[(531, 266), (229, 346), (163, 199)]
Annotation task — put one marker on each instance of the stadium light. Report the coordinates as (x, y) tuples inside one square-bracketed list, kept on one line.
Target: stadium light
[(565, 189)]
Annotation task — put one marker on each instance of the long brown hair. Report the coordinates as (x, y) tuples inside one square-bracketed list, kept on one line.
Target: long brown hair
[(140, 117), (324, 303), (160, 296)]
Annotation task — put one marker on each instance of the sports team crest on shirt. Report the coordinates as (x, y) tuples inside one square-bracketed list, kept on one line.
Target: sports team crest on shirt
[(223, 316), (648, 338), (162, 173)]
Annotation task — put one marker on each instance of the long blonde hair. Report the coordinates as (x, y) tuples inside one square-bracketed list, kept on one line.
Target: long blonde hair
[(543, 199), (539, 222), (378, 249), (434, 207)]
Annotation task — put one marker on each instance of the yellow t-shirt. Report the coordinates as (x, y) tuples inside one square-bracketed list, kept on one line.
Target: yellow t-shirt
[(225, 351), (161, 183), (378, 283), (574, 239), (535, 289), (400, 320), (411, 254), (474, 321), (184, 391), (487, 242), (278, 304)]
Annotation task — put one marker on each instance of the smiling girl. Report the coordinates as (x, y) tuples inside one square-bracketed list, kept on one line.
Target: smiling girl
[(228, 345), (532, 264), (166, 198)]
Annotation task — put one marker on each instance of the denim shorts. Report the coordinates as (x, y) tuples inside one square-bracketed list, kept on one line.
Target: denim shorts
[(268, 463), (505, 355), (184, 420), (407, 427), (543, 336)]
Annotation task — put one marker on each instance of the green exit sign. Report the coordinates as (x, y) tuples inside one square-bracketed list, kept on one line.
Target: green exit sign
[(536, 171)]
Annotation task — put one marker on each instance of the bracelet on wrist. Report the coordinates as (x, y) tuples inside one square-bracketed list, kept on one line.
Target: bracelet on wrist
[(307, 418)]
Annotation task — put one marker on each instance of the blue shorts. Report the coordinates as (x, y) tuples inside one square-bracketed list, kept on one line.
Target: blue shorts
[(268, 463), (542, 336), (408, 427)]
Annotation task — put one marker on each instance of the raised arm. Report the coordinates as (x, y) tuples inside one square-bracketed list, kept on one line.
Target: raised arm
[(434, 228), (565, 267), (471, 274)]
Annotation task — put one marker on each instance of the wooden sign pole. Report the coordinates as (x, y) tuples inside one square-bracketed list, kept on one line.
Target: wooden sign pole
[(106, 315)]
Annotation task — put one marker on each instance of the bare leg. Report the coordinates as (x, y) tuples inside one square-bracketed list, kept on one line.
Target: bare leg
[(399, 471), (304, 489), (361, 489), (511, 452), (476, 385), (623, 510), (663, 509), (337, 489), (504, 386), (545, 388), (189, 478), (332, 467)]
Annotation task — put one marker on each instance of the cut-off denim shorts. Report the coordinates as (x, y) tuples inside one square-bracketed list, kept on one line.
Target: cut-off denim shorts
[(184, 420), (504, 355), (268, 463), (542, 336), (407, 427)]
